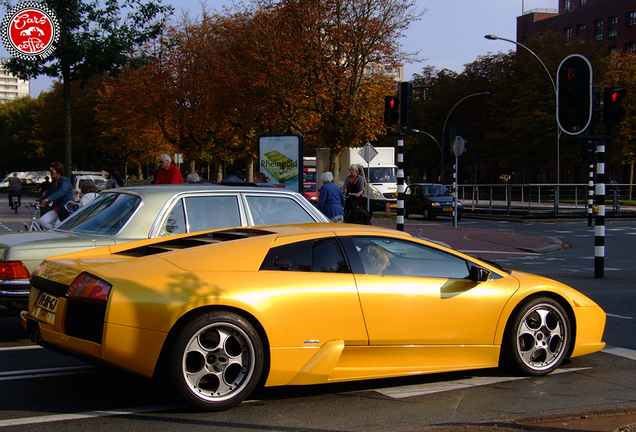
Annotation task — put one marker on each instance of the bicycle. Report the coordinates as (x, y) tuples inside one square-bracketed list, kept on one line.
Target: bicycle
[(15, 203), (34, 225)]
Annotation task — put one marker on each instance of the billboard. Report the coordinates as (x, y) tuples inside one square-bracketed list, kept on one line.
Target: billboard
[(280, 157)]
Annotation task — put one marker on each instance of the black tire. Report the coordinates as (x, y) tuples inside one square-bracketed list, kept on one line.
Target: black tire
[(426, 214), (538, 337), (216, 360)]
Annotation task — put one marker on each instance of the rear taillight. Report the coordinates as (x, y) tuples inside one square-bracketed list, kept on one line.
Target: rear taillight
[(88, 287), (13, 270)]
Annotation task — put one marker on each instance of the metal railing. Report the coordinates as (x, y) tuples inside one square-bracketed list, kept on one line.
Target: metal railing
[(537, 197)]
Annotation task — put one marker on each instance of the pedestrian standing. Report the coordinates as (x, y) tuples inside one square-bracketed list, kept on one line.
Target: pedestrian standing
[(168, 173), (353, 189), (331, 201)]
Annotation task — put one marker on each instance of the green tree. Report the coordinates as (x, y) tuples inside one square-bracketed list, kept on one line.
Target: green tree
[(95, 39)]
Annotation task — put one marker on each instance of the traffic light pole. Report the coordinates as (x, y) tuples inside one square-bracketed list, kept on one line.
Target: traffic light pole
[(400, 183), (599, 230)]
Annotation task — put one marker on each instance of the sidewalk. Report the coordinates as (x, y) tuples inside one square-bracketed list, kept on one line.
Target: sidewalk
[(486, 242), (614, 421)]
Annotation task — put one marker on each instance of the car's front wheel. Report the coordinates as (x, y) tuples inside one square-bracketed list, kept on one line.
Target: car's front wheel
[(539, 336), (217, 360)]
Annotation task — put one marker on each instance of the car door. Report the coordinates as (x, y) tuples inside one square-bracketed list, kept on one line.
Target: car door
[(414, 199), (422, 295), (313, 295)]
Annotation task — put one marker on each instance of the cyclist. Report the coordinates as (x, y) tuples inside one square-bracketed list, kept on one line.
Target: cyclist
[(14, 189), (60, 191)]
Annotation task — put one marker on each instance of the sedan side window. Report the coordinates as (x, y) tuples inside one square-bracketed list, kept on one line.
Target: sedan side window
[(389, 257), (277, 210), (212, 212), (175, 222)]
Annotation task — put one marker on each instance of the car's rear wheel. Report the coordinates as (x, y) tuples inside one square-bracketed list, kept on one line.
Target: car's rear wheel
[(539, 336), (217, 360)]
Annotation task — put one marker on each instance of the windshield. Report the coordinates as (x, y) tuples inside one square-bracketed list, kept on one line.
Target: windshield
[(105, 215), (436, 190), (382, 175)]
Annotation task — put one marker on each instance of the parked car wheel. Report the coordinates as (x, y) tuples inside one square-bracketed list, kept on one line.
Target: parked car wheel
[(539, 336), (427, 214), (217, 360)]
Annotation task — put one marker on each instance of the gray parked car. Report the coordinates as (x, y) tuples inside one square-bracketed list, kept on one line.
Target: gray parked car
[(126, 214)]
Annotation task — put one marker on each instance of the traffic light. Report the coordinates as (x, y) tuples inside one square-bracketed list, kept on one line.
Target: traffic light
[(574, 94), (391, 110), (588, 150), (613, 110), (406, 98)]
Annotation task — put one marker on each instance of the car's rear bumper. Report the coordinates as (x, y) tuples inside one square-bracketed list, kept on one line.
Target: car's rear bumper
[(15, 293)]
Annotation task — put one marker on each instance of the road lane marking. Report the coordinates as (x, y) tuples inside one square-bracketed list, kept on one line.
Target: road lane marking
[(49, 372), (429, 388), (619, 316), (621, 352), (19, 348), (82, 416)]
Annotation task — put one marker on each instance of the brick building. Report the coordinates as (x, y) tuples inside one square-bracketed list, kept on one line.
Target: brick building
[(609, 23)]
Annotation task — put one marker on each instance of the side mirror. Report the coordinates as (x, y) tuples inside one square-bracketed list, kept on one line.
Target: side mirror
[(479, 274)]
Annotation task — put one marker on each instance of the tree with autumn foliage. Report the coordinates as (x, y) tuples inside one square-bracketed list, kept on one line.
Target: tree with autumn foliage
[(95, 38), (621, 72), (274, 67)]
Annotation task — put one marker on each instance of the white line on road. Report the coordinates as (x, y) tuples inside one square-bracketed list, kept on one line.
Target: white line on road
[(40, 373), (81, 416), (424, 389), (23, 347), (621, 352), (619, 316)]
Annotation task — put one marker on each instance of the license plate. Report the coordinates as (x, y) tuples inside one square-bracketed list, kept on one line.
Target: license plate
[(47, 302), (393, 205), (448, 209)]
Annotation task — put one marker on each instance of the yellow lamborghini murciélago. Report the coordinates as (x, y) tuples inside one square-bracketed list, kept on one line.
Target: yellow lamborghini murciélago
[(220, 312)]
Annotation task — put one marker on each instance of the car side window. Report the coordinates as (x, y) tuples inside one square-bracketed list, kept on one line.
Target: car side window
[(390, 257), (175, 222), (320, 256), (276, 210), (212, 212)]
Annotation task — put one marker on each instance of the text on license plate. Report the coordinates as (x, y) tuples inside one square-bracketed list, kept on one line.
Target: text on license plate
[(47, 302), (448, 209)]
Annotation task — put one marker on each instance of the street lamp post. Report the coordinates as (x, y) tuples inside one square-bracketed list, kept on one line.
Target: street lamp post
[(558, 167), (444, 129), (432, 137)]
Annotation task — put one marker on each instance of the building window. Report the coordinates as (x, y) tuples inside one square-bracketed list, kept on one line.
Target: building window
[(598, 30), (566, 5), (613, 27), (580, 32), (568, 34), (631, 19), (630, 47), (583, 2)]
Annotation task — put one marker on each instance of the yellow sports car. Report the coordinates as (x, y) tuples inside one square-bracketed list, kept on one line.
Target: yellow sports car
[(220, 312)]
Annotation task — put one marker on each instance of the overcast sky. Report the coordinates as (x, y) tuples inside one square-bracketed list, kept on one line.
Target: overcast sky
[(450, 34)]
